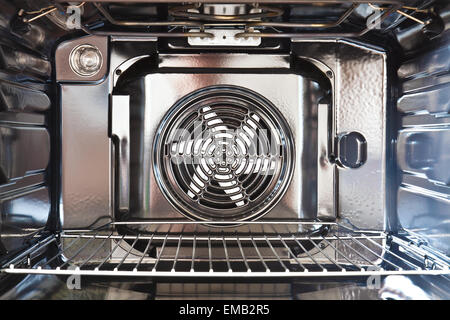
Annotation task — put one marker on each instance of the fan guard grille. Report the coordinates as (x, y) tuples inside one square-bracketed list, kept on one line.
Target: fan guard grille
[(223, 153)]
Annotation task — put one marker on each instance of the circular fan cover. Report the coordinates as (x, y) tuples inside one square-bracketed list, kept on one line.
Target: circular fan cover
[(223, 153)]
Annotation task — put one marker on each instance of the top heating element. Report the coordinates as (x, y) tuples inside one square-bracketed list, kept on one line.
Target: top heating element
[(223, 153)]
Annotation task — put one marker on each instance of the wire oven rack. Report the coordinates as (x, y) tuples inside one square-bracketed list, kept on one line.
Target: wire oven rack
[(178, 249)]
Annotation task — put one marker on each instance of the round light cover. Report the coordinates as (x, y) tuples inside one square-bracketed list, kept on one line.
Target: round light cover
[(86, 60)]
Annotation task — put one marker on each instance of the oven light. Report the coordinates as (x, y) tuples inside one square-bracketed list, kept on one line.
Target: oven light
[(86, 60)]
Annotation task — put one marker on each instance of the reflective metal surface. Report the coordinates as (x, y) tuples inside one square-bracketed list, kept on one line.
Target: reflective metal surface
[(231, 60), (120, 129), (150, 106), (326, 170), (423, 196), (25, 143), (17, 141), (16, 98), (86, 154), (359, 193)]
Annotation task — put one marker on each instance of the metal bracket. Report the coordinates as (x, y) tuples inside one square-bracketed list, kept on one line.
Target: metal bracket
[(325, 168), (225, 37), (120, 130)]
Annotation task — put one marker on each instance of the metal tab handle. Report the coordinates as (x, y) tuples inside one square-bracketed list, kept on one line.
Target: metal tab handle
[(351, 150), (120, 130)]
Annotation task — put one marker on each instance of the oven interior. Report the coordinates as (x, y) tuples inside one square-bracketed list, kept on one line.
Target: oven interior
[(259, 150)]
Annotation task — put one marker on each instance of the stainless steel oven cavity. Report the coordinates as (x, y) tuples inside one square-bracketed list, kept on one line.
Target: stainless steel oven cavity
[(353, 141)]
